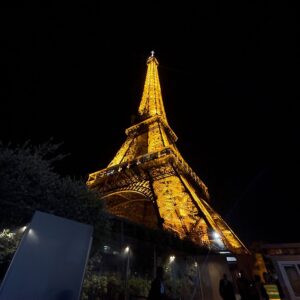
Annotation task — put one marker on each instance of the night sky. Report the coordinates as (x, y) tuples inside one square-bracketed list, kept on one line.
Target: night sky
[(229, 76)]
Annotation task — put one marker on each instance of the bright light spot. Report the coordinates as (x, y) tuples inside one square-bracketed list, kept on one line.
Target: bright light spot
[(230, 258), (216, 235), (196, 265), (31, 232), (110, 172), (22, 229), (224, 252), (172, 258), (32, 235), (127, 249), (106, 248)]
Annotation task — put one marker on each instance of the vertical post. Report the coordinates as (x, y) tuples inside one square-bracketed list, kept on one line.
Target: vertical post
[(122, 233), (200, 280), (127, 252), (154, 261)]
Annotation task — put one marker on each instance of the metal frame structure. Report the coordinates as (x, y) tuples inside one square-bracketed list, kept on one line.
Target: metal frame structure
[(149, 182)]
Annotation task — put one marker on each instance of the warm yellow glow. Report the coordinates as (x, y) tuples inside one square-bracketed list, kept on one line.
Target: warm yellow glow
[(259, 265), (218, 224), (149, 182), (152, 104), (122, 152)]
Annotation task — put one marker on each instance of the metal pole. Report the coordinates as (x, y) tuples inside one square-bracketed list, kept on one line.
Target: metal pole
[(200, 281), (126, 277), (154, 262)]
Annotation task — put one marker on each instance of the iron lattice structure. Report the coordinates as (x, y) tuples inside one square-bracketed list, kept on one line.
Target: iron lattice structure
[(149, 182)]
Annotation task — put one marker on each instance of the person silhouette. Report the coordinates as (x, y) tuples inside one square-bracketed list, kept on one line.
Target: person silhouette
[(263, 295), (226, 289), (157, 290), (244, 286)]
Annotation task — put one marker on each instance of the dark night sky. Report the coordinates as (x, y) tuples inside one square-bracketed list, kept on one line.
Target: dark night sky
[(229, 86)]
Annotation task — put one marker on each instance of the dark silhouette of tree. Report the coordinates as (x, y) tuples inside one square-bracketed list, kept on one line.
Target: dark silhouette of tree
[(28, 182)]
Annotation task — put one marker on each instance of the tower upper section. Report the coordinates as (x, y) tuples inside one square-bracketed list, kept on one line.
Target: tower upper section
[(152, 104)]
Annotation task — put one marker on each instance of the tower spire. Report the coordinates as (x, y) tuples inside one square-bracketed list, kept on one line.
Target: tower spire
[(151, 103)]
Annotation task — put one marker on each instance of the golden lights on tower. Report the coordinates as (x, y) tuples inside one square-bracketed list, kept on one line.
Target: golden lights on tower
[(149, 182)]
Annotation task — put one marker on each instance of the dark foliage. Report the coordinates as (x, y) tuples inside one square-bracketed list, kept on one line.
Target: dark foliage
[(28, 182)]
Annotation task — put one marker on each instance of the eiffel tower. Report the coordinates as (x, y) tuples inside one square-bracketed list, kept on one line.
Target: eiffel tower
[(149, 182)]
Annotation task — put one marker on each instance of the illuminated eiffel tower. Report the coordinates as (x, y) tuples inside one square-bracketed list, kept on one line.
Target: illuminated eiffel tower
[(148, 181)]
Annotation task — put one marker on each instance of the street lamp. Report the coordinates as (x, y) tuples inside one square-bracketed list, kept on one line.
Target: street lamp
[(22, 229), (171, 264), (127, 253)]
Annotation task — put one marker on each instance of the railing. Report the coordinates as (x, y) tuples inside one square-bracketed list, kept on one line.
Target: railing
[(146, 158), (140, 160)]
